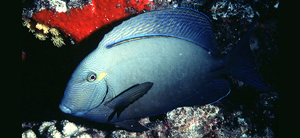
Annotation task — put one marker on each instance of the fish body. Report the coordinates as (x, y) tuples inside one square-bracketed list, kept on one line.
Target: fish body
[(153, 63)]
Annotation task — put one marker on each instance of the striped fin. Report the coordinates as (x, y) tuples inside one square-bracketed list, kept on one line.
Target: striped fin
[(180, 23)]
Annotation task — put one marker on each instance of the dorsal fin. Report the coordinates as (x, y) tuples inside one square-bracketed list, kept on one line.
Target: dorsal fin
[(180, 23)]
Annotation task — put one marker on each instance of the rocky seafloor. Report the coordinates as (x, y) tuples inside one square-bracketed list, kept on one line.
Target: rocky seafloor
[(245, 112)]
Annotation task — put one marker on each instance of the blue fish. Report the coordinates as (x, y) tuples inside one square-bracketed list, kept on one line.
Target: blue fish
[(153, 63)]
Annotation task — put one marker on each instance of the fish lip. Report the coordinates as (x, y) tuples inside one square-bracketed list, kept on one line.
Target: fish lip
[(65, 109), (68, 111)]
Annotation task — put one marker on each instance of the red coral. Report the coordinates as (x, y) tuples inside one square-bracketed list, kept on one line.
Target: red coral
[(80, 23)]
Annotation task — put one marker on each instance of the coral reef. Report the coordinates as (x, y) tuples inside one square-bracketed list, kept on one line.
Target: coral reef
[(226, 10), (245, 112), (42, 32), (204, 121), (83, 18), (193, 121), (180, 122)]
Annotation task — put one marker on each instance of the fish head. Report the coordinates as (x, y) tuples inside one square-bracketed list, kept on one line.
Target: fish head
[(86, 89)]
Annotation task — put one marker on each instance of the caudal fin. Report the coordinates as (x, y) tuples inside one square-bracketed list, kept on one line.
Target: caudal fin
[(244, 66)]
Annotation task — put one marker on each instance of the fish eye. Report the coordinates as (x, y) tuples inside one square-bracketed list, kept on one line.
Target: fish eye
[(91, 77)]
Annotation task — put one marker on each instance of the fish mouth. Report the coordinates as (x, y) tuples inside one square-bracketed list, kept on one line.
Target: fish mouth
[(65, 109), (68, 111)]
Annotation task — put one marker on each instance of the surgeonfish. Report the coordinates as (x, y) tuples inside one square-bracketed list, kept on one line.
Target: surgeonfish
[(153, 63)]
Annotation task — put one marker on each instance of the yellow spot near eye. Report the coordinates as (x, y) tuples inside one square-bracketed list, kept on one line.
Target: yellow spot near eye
[(101, 76)]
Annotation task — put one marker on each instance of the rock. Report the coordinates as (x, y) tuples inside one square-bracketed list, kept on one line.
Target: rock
[(53, 132), (28, 134), (193, 121), (48, 129), (69, 128), (84, 135), (45, 126)]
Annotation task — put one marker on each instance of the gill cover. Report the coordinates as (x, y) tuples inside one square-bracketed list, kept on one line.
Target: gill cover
[(84, 92)]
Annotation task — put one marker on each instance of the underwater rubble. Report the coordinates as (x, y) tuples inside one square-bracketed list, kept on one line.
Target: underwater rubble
[(243, 113), (181, 122), (203, 121)]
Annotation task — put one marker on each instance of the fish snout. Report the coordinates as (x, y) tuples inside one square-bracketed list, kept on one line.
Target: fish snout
[(69, 111), (65, 109)]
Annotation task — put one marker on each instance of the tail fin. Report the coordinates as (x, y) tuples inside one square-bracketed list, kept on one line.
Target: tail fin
[(244, 66)]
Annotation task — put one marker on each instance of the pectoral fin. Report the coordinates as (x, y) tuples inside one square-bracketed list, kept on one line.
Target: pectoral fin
[(127, 97)]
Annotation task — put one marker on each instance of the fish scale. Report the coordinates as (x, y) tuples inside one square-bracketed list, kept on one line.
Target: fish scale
[(180, 23)]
